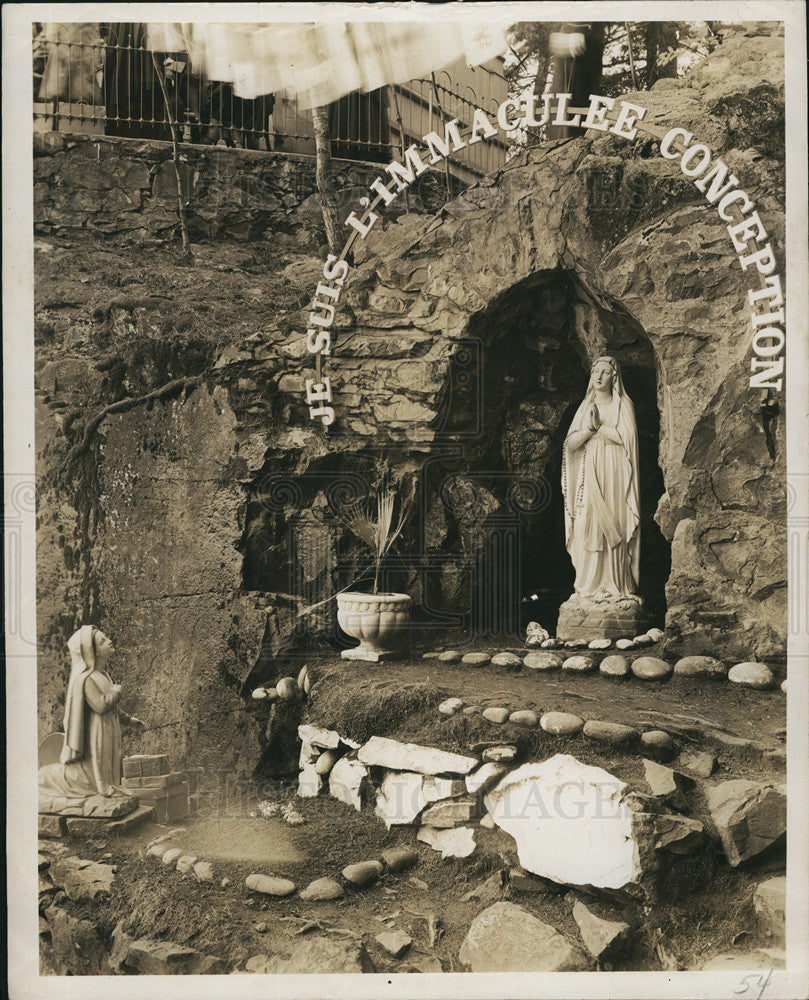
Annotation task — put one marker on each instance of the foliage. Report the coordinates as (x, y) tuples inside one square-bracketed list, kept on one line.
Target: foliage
[(371, 521), (659, 49)]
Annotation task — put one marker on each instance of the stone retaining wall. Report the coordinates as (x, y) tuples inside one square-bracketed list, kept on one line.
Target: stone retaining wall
[(128, 187)]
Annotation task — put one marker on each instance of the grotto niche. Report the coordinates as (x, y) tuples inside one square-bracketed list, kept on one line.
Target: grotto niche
[(503, 499)]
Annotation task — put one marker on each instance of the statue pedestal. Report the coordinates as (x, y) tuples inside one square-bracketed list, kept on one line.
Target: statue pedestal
[(586, 618)]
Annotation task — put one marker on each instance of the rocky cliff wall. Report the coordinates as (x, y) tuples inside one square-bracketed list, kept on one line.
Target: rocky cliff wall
[(463, 343)]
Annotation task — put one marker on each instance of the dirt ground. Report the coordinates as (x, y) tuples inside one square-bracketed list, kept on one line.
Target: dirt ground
[(715, 916)]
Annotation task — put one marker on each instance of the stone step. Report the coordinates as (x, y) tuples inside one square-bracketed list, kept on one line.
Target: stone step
[(87, 826)]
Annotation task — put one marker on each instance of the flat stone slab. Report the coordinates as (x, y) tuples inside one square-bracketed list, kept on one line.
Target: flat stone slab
[(601, 937), (367, 655), (100, 807), (80, 826), (382, 752), (452, 812), (507, 938), (455, 843)]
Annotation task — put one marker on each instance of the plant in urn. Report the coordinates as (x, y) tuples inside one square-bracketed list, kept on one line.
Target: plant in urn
[(376, 619)]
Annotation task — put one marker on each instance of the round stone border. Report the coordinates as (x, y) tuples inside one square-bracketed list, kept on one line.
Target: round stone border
[(576, 657)]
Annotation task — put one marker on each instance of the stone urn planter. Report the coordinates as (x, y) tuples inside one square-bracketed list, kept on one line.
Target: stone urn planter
[(377, 620)]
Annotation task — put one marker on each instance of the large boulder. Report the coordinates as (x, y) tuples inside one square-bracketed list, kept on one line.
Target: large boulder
[(749, 817), (580, 825), (507, 938)]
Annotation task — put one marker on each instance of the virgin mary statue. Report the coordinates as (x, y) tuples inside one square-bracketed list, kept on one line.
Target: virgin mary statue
[(87, 779), (602, 500)]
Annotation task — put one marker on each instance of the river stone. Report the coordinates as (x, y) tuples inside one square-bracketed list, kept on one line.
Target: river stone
[(83, 881), (602, 938), (524, 717), (510, 660), (325, 762), (650, 668), (599, 644), (700, 762), (700, 666), (499, 755), (496, 714), (750, 674), (450, 706), (550, 644), (171, 855), (655, 634), (476, 659), (269, 885), (203, 871), (382, 752), (453, 843), (658, 745), (452, 812), (322, 889), (535, 635), (770, 902), (643, 640), (486, 775), (614, 666), (315, 953), (579, 664), (667, 784), (542, 661), (625, 644), (185, 863), (449, 656), (507, 938), (348, 780), (575, 644), (287, 688), (400, 797), (784, 685), (748, 816), (327, 739), (609, 732), (363, 873), (395, 942), (399, 859), (561, 723), (471, 710)]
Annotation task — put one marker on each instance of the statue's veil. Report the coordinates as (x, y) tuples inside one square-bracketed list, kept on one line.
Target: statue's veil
[(82, 657)]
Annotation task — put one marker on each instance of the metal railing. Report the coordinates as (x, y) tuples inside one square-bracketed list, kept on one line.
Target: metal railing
[(108, 87)]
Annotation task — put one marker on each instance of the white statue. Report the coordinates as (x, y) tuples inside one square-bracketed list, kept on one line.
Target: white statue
[(90, 764), (601, 493)]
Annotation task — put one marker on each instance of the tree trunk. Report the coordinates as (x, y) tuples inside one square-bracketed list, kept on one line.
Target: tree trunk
[(324, 177)]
